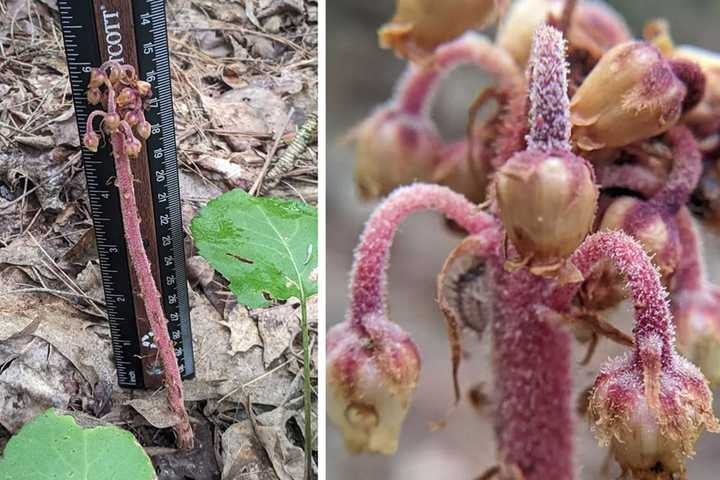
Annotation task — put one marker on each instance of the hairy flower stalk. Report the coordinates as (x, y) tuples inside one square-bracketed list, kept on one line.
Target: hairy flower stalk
[(372, 255), (115, 78)]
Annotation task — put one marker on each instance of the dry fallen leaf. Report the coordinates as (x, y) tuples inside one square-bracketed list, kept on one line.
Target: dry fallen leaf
[(243, 330), (276, 325)]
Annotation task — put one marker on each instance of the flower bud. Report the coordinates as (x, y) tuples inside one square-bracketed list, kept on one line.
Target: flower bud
[(94, 96), (126, 97), (144, 88), (111, 122), (132, 117), (97, 78), (596, 27), (372, 370), (115, 74), (422, 25), (91, 140), (697, 320), (143, 130), (631, 94), (132, 146), (650, 407), (393, 149), (547, 203), (657, 233)]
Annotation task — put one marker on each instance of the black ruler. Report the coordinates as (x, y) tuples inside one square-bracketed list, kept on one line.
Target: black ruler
[(133, 32)]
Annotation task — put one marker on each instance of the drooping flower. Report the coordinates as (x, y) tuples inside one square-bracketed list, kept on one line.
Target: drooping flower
[(372, 371)]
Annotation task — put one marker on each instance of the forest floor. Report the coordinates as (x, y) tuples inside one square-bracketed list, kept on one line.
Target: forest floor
[(244, 78)]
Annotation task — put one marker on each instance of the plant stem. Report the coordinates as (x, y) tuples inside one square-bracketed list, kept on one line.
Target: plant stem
[(307, 394), (531, 354), (685, 174), (652, 315), (417, 87), (149, 291), (690, 274)]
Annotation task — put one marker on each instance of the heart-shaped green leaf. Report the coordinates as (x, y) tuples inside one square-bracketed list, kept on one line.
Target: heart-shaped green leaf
[(55, 447), (265, 247)]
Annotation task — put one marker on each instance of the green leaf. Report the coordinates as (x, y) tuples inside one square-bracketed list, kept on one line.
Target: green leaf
[(265, 247), (55, 447)]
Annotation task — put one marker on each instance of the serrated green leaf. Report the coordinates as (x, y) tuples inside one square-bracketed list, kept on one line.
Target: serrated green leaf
[(55, 447), (263, 246)]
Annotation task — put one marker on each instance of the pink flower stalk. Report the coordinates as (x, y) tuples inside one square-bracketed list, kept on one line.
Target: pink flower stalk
[(372, 255), (115, 78), (415, 91)]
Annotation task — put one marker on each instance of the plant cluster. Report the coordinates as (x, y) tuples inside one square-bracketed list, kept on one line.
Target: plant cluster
[(116, 88), (574, 194)]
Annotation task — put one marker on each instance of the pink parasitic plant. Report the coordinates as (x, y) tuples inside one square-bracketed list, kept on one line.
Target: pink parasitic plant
[(548, 250), (116, 87)]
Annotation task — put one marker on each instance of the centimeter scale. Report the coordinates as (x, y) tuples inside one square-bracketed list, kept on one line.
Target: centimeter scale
[(133, 32)]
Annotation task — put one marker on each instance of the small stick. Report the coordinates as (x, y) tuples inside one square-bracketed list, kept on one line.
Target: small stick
[(255, 189)]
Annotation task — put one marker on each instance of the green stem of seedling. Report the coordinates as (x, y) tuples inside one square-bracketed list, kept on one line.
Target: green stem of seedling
[(307, 398)]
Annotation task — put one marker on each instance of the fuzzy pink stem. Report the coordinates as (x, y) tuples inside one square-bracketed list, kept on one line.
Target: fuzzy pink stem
[(531, 353), (372, 254), (686, 171), (652, 315), (547, 91), (416, 89), (149, 291), (690, 274)]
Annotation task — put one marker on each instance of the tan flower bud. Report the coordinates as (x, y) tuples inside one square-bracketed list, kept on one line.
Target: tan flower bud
[(421, 25), (394, 149), (126, 97), (372, 370), (111, 122), (94, 96), (596, 27), (91, 140), (547, 203), (631, 94), (143, 130), (144, 88), (115, 74), (132, 117), (97, 78), (132, 147)]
